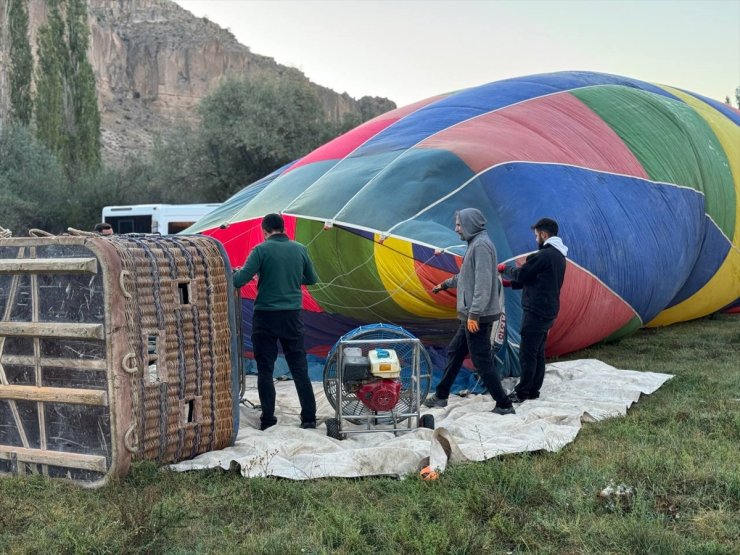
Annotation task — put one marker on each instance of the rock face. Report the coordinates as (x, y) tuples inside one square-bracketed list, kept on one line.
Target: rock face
[(154, 61)]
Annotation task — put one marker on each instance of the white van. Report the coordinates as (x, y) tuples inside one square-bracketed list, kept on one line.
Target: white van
[(166, 219)]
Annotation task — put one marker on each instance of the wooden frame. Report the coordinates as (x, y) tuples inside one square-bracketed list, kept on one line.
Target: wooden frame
[(109, 387)]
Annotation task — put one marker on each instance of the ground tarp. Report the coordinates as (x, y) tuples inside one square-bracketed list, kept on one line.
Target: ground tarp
[(466, 430)]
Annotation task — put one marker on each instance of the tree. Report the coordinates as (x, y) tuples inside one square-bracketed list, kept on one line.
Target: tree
[(21, 64), (248, 129), (50, 82), (67, 117), (33, 187), (252, 127), (90, 192), (181, 170), (84, 125)]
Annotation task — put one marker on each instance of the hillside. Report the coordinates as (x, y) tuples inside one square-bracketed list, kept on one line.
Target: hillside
[(154, 61)]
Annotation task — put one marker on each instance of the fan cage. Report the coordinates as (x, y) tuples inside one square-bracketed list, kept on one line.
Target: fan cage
[(372, 337)]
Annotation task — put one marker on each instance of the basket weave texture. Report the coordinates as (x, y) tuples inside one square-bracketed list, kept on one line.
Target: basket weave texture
[(184, 407), (113, 349)]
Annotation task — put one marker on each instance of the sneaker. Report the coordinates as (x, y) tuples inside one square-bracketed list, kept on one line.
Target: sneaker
[(308, 425), (515, 398), (434, 401), (269, 424), (503, 410)]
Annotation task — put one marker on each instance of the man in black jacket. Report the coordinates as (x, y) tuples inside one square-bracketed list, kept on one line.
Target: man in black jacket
[(541, 278)]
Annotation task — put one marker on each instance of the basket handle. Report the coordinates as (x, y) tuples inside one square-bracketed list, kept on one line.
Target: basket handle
[(34, 232), (127, 439), (129, 369), (121, 277), (81, 233)]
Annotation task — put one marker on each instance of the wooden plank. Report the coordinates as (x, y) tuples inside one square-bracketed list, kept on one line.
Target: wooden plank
[(12, 293), (49, 329), (41, 413), (54, 395), (96, 463), (48, 266), (71, 363)]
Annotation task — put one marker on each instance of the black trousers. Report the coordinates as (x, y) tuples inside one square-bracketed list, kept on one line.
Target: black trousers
[(532, 355), (479, 346), (286, 326)]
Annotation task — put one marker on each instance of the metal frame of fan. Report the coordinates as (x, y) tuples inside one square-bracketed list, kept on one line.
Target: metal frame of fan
[(416, 378)]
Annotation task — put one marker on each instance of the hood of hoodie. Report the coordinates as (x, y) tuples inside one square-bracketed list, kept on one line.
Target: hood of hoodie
[(472, 222), (557, 243)]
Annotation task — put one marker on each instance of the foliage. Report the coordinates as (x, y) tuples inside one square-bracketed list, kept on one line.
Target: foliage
[(252, 127), (84, 130), (676, 447), (247, 129), (371, 106), (33, 187), (67, 117), (21, 64), (50, 101), (181, 169)]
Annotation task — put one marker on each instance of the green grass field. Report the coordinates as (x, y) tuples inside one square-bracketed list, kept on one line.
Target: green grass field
[(679, 448)]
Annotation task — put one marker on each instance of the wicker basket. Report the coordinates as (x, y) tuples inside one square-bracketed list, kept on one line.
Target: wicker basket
[(114, 349)]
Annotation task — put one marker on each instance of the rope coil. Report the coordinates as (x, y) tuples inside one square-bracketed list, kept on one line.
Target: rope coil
[(121, 281), (129, 369), (127, 439)]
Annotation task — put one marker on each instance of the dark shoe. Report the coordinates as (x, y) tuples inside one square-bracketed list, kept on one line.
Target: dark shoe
[(434, 402), (515, 398), (264, 424), (308, 425), (503, 410)]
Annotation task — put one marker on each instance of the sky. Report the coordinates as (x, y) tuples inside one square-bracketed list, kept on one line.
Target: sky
[(408, 50)]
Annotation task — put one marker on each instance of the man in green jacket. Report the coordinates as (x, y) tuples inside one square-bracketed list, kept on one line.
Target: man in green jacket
[(282, 266)]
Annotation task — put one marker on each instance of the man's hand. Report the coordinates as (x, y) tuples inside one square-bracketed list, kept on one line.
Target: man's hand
[(437, 288), (473, 326), (501, 268)]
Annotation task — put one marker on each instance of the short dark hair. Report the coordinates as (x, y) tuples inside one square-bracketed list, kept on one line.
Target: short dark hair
[(273, 222), (547, 225), (101, 226)]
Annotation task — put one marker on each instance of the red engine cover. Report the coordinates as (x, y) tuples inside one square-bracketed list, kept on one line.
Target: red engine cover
[(380, 395)]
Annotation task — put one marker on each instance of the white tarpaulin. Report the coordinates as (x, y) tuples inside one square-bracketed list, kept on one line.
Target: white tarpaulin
[(466, 430)]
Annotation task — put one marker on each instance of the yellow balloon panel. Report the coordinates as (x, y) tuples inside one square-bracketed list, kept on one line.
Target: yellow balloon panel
[(394, 259), (721, 290)]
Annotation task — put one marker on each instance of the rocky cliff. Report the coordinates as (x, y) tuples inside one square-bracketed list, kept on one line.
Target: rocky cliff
[(153, 63)]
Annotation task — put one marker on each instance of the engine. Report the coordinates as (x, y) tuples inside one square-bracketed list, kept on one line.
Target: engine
[(374, 378)]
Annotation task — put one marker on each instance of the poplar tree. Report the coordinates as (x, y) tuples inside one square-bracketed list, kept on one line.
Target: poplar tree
[(49, 103), (21, 63), (84, 129), (67, 116)]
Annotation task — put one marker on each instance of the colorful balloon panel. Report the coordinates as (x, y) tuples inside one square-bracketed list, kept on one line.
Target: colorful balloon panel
[(643, 178)]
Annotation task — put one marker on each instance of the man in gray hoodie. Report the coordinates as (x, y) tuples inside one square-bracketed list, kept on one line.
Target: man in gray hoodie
[(478, 306)]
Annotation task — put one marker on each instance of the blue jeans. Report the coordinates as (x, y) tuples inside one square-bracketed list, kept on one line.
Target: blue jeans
[(479, 346)]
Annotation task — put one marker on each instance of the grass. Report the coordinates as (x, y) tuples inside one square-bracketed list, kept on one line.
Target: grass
[(678, 449)]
